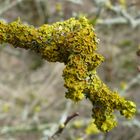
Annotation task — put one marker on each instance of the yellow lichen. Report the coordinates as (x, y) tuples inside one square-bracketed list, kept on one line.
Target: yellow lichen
[(92, 128), (74, 43)]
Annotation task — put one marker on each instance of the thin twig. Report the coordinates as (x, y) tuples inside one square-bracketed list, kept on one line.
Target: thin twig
[(138, 68), (135, 80), (9, 6), (124, 16), (40, 11), (62, 126), (25, 128)]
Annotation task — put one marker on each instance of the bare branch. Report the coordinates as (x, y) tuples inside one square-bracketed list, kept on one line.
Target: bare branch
[(9, 6), (62, 126)]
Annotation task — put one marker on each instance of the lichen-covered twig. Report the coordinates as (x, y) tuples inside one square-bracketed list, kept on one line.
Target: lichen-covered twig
[(74, 43)]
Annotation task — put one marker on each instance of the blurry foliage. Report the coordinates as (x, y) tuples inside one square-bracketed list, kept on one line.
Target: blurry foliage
[(92, 129)]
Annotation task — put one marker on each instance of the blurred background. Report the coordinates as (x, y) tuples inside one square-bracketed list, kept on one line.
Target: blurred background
[(32, 99)]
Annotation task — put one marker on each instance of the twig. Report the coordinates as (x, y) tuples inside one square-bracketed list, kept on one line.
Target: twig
[(138, 68), (40, 10), (130, 84), (25, 128), (112, 21), (138, 52), (119, 20), (62, 126), (135, 122), (80, 2), (9, 6), (49, 133), (125, 18)]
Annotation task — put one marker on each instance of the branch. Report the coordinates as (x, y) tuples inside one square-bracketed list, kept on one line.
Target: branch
[(74, 43), (26, 128), (118, 20), (124, 16), (9, 6), (62, 126), (133, 81), (135, 122)]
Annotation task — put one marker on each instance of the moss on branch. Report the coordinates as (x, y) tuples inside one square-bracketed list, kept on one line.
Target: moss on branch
[(74, 43)]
